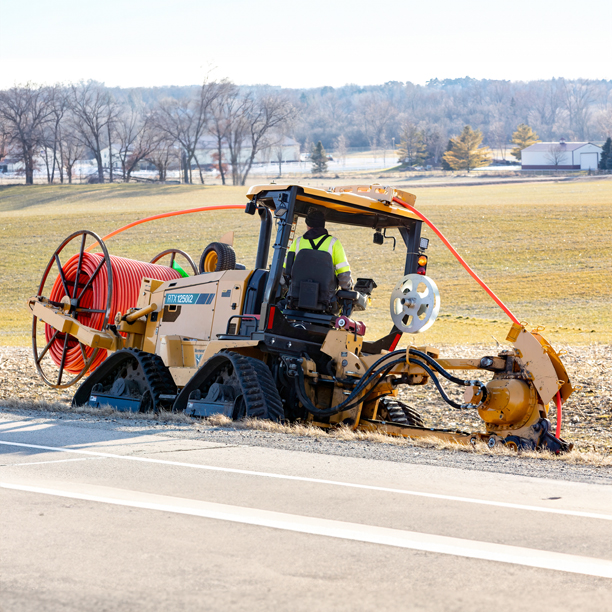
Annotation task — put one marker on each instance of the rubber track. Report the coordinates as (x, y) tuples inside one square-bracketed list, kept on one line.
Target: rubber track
[(261, 397), (158, 377)]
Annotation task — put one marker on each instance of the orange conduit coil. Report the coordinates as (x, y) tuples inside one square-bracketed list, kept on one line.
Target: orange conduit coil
[(460, 259), (127, 278)]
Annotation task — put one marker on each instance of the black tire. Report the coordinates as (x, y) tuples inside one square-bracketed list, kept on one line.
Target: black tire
[(216, 257)]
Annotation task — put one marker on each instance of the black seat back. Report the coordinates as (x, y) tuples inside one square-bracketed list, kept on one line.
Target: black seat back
[(313, 281)]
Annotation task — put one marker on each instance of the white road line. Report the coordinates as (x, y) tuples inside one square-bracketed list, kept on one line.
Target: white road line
[(454, 498), (55, 461), (336, 529)]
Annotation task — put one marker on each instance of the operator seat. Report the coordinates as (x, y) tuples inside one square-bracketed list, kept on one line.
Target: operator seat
[(314, 287), (313, 281)]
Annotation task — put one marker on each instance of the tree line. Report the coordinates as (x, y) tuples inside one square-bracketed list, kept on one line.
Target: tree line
[(64, 124), (160, 125)]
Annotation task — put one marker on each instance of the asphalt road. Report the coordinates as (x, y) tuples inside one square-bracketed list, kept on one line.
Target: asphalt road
[(95, 519)]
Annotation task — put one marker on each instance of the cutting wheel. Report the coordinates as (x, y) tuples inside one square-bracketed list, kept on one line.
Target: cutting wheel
[(415, 303)]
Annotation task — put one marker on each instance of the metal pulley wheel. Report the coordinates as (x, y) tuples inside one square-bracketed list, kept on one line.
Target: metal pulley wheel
[(173, 253), (72, 293), (415, 303)]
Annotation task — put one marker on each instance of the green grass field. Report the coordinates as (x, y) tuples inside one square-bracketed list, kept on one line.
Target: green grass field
[(545, 249)]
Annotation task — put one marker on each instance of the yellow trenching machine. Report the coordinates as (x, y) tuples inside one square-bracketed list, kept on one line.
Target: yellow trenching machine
[(276, 343)]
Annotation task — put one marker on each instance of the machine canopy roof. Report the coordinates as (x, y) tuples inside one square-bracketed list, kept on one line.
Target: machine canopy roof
[(363, 205)]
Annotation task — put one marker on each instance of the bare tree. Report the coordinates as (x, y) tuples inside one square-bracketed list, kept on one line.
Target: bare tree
[(221, 118), (578, 97), (161, 157), (51, 143), (136, 136), (92, 110), (556, 154), (340, 148), (498, 137), (72, 150), (25, 109), (604, 121), (252, 121), (375, 113), (4, 140), (433, 141), (184, 121)]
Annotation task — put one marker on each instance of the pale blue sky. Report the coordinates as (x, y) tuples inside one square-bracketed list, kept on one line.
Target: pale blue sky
[(301, 44)]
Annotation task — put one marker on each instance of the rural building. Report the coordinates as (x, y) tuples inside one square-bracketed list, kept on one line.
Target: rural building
[(561, 156), (284, 146)]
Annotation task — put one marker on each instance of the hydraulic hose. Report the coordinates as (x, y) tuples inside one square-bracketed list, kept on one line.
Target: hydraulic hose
[(127, 278), (432, 362), (445, 397), (349, 402), (453, 379), (460, 259)]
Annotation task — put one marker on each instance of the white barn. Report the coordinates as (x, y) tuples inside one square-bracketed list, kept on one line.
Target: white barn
[(561, 156)]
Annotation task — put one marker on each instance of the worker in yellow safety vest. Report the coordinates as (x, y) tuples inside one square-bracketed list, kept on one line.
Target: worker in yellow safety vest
[(317, 237)]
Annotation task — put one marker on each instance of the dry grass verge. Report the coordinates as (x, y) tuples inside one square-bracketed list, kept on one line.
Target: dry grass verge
[(345, 434), (304, 430)]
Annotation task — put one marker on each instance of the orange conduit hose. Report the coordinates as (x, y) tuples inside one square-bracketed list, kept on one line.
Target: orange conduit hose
[(459, 258), (127, 278), (559, 415), (174, 213)]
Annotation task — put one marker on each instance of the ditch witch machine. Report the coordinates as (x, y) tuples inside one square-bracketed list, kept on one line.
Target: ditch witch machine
[(280, 342)]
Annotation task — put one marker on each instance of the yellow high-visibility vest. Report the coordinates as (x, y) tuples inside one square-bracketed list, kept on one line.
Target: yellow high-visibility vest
[(330, 244)]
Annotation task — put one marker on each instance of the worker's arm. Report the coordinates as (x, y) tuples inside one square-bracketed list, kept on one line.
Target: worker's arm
[(341, 267), (289, 250)]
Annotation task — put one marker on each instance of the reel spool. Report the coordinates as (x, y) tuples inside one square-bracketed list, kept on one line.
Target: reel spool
[(415, 303), (173, 253), (91, 288)]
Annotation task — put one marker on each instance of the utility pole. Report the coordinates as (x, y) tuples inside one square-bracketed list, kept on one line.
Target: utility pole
[(110, 153)]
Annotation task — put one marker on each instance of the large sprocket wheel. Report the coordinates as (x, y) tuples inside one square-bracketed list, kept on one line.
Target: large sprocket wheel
[(398, 412), (415, 303), (245, 381), (217, 256), (74, 287), (173, 253)]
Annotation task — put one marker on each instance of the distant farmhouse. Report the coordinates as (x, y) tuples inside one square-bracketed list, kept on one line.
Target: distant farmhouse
[(561, 156)]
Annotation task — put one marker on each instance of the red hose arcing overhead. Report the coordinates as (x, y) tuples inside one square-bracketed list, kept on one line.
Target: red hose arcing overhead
[(459, 258), (127, 278), (174, 213)]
